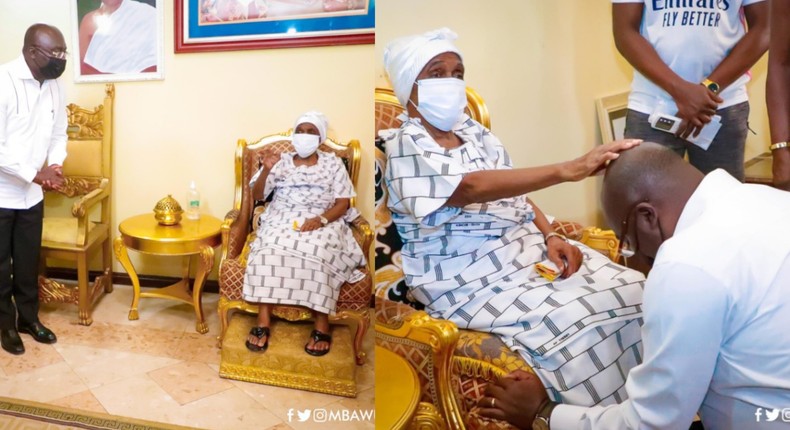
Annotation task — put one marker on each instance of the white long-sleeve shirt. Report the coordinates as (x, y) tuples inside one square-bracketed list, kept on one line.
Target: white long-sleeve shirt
[(32, 132), (716, 312)]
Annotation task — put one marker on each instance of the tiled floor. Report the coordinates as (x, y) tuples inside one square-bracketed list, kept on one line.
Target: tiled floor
[(158, 368)]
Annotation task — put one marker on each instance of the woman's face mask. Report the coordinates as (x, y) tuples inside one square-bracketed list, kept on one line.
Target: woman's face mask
[(305, 144), (441, 101)]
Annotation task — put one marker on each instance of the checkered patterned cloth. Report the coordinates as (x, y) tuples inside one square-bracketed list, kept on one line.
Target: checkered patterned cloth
[(475, 266), (289, 267)]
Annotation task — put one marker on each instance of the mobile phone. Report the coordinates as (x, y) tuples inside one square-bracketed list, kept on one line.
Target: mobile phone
[(664, 122)]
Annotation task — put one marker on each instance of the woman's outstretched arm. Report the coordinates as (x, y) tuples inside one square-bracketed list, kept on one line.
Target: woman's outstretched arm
[(490, 185)]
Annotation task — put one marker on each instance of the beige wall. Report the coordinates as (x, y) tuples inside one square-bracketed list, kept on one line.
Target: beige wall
[(539, 65), (186, 126)]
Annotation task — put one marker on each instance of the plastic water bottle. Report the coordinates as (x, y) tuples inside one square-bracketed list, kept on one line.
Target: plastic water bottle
[(193, 202)]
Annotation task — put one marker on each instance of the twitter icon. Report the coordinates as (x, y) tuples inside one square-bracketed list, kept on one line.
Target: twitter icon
[(305, 415), (771, 414)]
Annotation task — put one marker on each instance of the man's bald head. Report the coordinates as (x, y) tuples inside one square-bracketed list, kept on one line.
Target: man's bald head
[(44, 51), (38, 34), (649, 175), (648, 171)]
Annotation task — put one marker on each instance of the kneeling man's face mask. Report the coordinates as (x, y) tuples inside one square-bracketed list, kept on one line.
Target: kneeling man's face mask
[(441, 101), (305, 144)]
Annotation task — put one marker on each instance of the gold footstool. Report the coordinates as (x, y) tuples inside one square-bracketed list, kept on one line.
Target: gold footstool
[(285, 363)]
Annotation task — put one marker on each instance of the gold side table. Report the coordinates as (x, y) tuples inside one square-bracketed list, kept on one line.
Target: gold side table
[(142, 233), (397, 388)]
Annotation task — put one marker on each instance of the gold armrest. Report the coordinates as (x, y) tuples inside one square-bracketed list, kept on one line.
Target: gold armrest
[(224, 229), (603, 241), (362, 233), (83, 206), (440, 336)]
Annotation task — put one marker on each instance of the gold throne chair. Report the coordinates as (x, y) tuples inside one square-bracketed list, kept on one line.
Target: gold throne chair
[(300, 370), (88, 174), (453, 365)]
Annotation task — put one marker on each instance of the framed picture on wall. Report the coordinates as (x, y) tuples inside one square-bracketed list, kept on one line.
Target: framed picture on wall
[(229, 25), (611, 116), (118, 40)]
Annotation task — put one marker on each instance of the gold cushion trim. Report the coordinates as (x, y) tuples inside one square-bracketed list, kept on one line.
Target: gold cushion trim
[(276, 378), (285, 363)]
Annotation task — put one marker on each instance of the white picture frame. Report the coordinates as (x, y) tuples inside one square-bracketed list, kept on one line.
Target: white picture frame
[(103, 64), (611, 116)]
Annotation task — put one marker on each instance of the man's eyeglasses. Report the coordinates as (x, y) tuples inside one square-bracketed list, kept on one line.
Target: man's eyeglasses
[(54, 53), (625, 249)]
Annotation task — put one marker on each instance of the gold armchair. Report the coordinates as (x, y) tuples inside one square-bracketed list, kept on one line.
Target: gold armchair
[(453, 365), (237, 233), (88, 174)]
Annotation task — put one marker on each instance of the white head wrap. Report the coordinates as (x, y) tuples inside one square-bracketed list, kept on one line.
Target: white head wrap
[(317, 119), (405, 57)]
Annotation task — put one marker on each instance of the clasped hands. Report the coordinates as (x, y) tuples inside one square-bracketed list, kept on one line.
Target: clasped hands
[(50, 177), (696, 107)]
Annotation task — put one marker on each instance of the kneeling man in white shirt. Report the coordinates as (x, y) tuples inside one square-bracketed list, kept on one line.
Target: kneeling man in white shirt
[(716, 304)]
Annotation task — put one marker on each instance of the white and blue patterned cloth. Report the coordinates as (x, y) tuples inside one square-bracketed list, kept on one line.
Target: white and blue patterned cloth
[(289, 267), (475, 267)]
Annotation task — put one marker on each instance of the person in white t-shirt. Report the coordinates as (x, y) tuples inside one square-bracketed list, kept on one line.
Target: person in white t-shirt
[(716, 307), (777, 93), (692, 60)]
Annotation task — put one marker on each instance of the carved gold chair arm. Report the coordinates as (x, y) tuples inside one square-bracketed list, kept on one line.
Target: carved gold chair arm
[(362, 233), (83, 206), (225, 230), (603, 241), (427, 417), (439, 335)]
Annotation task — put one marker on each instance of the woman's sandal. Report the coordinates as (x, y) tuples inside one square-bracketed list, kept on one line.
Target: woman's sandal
[(258, 332), (317, 336)]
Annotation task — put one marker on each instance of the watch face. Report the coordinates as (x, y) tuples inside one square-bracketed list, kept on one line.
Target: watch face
[(713, 87)]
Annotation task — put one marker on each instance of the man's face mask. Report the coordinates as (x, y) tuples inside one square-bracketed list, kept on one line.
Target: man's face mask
[(305, 144), (55, 64), (441, 101)]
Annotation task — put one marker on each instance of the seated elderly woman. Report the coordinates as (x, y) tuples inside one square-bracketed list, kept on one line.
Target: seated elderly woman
[(472, 239), (304, 250)]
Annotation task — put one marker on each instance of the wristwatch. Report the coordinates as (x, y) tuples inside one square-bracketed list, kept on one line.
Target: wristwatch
[(543, 417), (714, 87), (324, 221)]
